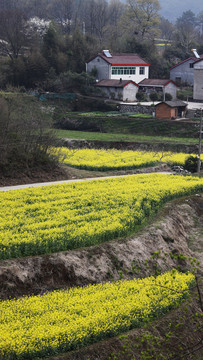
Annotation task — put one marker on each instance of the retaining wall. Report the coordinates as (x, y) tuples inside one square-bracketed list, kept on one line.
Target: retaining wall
[(138, 109)]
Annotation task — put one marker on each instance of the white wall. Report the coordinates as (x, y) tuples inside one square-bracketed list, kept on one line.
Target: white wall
[(134, 77), (129, 92), (171, 89)]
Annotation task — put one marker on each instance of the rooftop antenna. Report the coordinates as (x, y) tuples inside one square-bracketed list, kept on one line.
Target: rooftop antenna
[(196, 53)]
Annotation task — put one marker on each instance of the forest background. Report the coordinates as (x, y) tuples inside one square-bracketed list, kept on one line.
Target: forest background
[(45, 44)]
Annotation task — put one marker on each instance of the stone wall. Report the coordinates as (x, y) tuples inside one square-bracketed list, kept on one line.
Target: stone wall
[(137, 109)]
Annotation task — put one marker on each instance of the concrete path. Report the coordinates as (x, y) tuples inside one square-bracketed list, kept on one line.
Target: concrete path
[(25, 186)]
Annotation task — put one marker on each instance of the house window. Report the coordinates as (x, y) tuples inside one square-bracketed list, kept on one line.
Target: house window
[(191, 65), (142, 70), (178, 80), (126, 70)]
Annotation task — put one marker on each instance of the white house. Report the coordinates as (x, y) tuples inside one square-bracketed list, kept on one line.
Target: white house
[(118, 66), (183, 72), (162, 86), (123, 90)]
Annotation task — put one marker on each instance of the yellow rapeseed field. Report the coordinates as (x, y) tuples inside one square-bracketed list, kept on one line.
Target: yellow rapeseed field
[(63, 320), (103, 160), (55, 218)]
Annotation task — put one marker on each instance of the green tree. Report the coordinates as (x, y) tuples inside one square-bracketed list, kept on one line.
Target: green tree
[(54, 50), (78, 53), (142, 18)]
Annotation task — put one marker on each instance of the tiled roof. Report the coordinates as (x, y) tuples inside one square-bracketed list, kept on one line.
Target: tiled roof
[(123, 59), (115, 83), (155, 82), (175, 103), (190, 58), (198, 60)]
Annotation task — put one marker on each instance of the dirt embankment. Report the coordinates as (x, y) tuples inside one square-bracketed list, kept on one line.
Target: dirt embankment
[(176, 232), (130, 145)]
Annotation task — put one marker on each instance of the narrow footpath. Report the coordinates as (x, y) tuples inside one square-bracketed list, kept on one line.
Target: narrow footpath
[(24, 186)]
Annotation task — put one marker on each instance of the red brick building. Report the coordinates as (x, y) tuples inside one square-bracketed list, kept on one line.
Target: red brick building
[(170, 110)]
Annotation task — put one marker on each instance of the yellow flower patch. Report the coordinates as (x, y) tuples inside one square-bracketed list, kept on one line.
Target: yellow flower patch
[(63, 320), (55, 218), (104, 160)]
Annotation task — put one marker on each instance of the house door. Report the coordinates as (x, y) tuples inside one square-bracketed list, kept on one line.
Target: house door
[(179, 112)]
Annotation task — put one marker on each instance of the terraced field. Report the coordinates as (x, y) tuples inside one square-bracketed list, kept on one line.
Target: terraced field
[(105, 160), (63, 320), (55, 218)]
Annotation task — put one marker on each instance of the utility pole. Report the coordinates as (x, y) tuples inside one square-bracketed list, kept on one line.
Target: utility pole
[(200, 146)]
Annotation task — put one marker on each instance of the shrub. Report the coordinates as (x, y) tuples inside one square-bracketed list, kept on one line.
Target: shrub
[(154, 96), (168, 97), (191, 163), (140, 96)]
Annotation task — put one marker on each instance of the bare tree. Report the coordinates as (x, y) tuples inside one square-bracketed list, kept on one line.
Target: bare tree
[(114, 32), (12, 32), (25, 133), (62, 11), (186, 31)]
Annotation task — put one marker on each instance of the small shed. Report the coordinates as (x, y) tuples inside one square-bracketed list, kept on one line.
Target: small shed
[(123, 90), (170, 109), (161, 86)]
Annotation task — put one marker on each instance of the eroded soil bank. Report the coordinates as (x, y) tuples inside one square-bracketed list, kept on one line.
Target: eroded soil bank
[(176, 232)]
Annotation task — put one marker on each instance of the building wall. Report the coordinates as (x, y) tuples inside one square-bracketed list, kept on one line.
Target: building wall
[(184, 72), (198, 84), (164, 111), (129, 92), (171, 89), (103, 68), (134, 77), (111, 92)]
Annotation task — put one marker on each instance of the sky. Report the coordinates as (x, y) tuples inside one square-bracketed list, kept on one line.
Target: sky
[(172, 9)]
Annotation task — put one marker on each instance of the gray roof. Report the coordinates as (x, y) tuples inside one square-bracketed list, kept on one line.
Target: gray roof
[(122, 59), (175, 103), (115, 83), (156, 82)]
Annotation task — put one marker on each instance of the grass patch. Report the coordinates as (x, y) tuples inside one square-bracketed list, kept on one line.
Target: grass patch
[(84, 135), (125, 124)]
